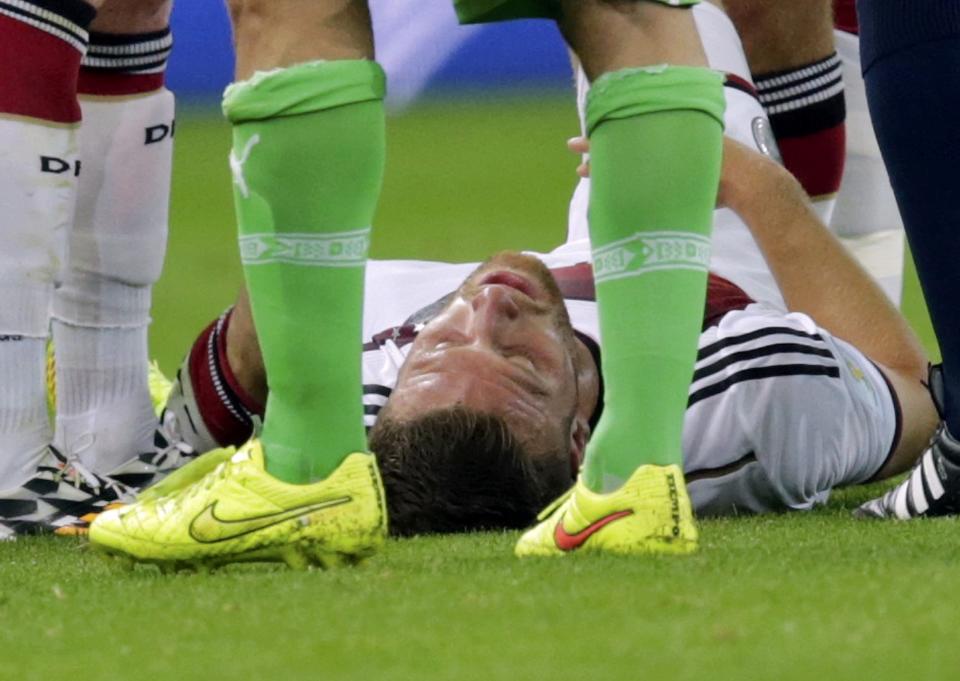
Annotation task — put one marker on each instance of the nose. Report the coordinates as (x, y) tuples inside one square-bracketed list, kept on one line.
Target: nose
[(494, 308)]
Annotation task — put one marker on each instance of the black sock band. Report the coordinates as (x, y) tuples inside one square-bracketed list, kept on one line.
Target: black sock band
[(129, 53)]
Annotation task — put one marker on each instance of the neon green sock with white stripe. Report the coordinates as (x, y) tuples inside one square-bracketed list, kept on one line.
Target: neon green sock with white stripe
[(307, 160), (655, 154)]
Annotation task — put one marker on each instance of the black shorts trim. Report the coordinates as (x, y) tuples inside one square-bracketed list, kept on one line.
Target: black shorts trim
[(898, 428)]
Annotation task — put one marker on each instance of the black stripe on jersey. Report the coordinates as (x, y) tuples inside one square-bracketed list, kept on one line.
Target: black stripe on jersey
[(757, 373), (371, 409), (719, 345), (898, 427), (374, 389), (754, 353), (720, 471)]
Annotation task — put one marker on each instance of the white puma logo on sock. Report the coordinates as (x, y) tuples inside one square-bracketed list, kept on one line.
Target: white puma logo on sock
[(236, 165)]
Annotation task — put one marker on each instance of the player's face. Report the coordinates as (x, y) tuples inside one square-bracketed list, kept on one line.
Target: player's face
[(503, 345)]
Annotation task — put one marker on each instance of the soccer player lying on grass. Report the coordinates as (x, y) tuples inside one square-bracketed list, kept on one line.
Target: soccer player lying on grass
[(482, 400)]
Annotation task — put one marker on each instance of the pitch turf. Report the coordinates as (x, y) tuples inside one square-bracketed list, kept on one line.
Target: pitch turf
[(804, 596)]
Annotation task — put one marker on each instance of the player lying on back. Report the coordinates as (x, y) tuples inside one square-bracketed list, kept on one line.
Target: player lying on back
[(481, 401)]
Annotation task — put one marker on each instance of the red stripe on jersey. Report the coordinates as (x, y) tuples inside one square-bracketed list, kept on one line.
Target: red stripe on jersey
[(845, 16), (816, 160), (737, 83), (723, 296), (575, 281), (38, 73), (108, 83)]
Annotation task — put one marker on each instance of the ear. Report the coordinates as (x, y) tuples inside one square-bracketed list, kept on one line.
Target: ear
[(579, 434), (588, 394)]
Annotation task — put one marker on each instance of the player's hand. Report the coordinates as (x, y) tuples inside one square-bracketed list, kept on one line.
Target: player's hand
[(581, 145)]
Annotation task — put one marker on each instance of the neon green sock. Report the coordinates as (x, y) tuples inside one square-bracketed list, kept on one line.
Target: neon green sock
[(655, 153), (308, 156)]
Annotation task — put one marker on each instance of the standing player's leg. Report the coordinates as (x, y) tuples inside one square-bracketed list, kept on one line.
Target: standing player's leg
[(101, 310), (798, 74), (808, 77), (307, 164), (40, 54), (656, 139), (909, 48), (41, 45)]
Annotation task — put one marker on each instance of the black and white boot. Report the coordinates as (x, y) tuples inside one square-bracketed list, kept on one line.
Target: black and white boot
[(61, 496), (933, 487), (170, 452)]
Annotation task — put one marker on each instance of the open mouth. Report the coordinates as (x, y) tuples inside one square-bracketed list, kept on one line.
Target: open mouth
[(512, 280)]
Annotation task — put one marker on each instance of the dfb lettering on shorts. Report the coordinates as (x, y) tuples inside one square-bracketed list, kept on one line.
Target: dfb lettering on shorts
[(157, 133), (650, 252), (58, 166), (337, 249)]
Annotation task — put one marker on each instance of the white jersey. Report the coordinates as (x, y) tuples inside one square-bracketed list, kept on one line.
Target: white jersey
[(780, 412)]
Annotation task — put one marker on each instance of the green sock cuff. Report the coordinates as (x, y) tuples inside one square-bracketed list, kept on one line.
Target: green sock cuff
[(652, 89), (304, 88)]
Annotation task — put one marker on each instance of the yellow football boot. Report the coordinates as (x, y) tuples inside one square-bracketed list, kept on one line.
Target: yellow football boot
[(649, 514), (238, 512)]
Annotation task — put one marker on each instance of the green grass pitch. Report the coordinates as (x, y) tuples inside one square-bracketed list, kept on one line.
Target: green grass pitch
[(804, 596)]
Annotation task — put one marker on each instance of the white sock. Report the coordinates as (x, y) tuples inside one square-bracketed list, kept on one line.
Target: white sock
[(104, 414), (117, 244), (24, 426), (39, 165)]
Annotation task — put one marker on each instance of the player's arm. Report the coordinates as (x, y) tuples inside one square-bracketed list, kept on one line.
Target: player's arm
[(818, 277)]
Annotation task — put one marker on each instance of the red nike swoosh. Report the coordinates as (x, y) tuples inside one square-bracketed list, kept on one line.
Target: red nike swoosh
[(568, 542)]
